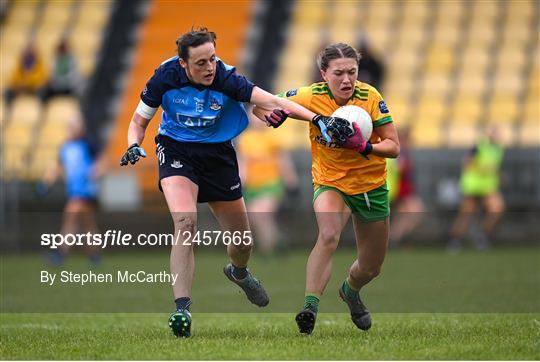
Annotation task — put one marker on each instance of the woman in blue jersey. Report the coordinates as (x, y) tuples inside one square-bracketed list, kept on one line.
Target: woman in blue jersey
[(201, 98), (78, 163)]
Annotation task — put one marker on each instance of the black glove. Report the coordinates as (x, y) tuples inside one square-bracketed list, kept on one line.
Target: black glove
[(333, 129), (132, 155)]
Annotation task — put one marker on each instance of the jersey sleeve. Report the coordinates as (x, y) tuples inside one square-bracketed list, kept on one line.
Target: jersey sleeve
[(301, 96), (154, 89), (233, 85), (379, 112)]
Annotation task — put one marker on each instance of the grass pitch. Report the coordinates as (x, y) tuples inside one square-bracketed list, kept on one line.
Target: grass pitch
[(427, 305), (271, 336)]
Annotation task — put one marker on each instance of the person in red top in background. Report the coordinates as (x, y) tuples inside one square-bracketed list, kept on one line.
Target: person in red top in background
[(407, 207)]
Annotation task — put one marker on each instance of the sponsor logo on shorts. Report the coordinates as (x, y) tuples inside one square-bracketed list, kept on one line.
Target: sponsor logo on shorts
[(176, 164), (383, 108), (234, 187)]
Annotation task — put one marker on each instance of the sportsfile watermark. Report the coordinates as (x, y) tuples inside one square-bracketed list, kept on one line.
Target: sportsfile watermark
[(123, 265), (121, 238)]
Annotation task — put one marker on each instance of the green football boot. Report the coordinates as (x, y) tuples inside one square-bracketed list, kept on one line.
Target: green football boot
[(180, 323)]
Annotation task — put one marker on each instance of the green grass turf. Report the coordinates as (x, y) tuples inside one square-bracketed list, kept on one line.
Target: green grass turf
[(494, 298), (270, 336), (500, 280)]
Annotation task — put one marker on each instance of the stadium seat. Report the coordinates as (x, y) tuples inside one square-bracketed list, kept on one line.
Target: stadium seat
[(53, 26), (482, 32), (439, 59), (51, 136), (86, 36), (532, 111), (399, 108), (430, 109), (461, 134), (401, 61), (447, 34), (529, 133), (450, 11), (415, 11), (26, 110), (307, 14), (436, 84), (477, 50), (507, 83), (471, 82), (411, 38), (426, 135), (475, 58), (25, 126), (60, 110), (502, 109), (466, 110)]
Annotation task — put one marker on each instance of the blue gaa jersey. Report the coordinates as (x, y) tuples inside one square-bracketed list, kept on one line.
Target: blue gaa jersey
[(77, 159), (194, 113)]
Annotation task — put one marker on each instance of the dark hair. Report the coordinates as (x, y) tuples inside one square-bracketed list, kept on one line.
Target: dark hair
[(336, 51), (193, 39)]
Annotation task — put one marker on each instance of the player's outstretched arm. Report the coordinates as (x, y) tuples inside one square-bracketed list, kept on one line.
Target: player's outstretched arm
[(263, 99), (329, 126)]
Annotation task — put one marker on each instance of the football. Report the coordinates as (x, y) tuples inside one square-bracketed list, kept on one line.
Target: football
[(357, 115)]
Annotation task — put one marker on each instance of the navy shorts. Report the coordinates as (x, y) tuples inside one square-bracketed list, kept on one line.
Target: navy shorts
[(212, 166)]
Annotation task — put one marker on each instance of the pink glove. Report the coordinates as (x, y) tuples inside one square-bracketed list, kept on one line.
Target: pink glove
[(277, 117), (356, 141)]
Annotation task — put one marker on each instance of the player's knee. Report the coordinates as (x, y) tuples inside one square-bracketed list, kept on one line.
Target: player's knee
[(369, 272), (329, 237), (185, 223)]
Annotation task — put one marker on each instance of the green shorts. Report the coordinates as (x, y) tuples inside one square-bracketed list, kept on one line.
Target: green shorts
[(373, 205), (273, 189)]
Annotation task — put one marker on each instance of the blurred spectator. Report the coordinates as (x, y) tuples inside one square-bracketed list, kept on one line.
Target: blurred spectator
[(29, 75), (480, 185), (370, 69), (4, 10), (268, 174), (65, 78), (81, 169), (407, 207)]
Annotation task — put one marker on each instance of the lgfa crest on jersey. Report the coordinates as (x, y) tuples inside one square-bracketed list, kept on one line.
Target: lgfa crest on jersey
[(214, 105)]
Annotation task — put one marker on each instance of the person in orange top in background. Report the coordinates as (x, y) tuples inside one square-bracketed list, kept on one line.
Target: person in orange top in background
[(265, 168), (28, 77), (349, 177)]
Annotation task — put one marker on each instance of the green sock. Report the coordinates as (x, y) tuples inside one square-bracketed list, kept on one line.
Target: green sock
[(313, 301), (350, 293)]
